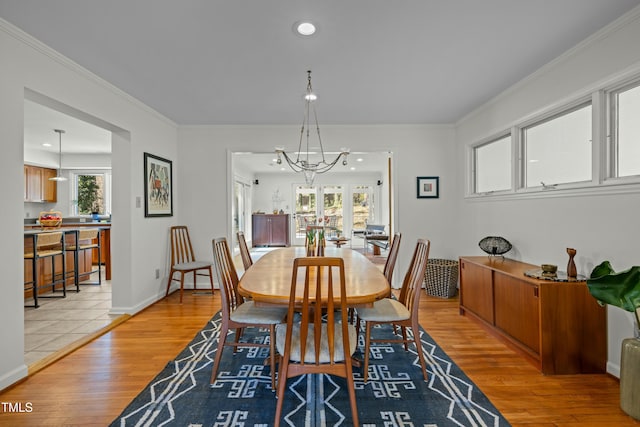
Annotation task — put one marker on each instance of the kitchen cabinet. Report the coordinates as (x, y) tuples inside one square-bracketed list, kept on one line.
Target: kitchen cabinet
[(557, 325), (270, 230), (37, 186)]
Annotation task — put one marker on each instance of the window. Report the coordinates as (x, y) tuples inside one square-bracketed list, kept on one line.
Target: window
[(558, 150), (625, 131), (492, 165), (362, 206), (586, 145), (91, 193)]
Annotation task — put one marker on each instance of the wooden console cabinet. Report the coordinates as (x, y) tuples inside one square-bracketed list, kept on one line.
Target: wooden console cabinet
[(558, 326), (270, 230)]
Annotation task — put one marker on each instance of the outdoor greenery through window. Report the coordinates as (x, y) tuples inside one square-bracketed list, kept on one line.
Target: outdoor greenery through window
[(492, 165), (558, 150), (90, 190), (625, 131), (362, 207)]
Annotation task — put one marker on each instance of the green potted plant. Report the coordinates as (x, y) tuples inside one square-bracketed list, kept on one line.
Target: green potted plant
[(622, 290)]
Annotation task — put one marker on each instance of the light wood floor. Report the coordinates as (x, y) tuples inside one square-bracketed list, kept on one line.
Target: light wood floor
[(92, 385)]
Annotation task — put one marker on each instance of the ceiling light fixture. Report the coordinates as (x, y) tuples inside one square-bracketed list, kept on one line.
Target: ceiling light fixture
[(59, 176), (303, 162), (304, 28)]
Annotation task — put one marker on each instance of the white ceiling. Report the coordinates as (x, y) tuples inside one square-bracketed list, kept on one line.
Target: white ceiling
[(373, 61)]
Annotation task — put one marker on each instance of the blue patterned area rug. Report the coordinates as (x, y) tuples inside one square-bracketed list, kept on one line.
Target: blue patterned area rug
[(394, 395)]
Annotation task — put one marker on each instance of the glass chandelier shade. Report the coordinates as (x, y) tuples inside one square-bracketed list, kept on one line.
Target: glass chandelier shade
[(305, 161)]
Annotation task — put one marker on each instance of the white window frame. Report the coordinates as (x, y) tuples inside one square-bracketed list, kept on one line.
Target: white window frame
[(603, 180), (550, 116), (73, 175), (611, 156), (474, 164)]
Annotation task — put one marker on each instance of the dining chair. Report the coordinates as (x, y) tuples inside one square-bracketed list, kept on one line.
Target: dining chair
[(402, 312), (392, 256), (183, 260), (389, 267), (244, 251), (317, 337), (239, 314)]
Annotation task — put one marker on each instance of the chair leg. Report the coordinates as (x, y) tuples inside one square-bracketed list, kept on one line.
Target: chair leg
[(211, 279), (76, 274), (404, 338), (182, 285), (169, 282), (352, 395), (282, 384), (216, 363), (35, 283), (272, 355), (416, 340), (367, 344)]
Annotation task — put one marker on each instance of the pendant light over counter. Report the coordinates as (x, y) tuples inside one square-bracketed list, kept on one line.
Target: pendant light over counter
[(59, 176)]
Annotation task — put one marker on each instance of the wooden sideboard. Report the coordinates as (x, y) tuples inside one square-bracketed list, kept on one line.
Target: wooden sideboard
[(558, 326), (270, 230)]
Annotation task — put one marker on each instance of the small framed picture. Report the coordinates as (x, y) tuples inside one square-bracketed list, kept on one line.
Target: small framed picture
[(158, 186), (428, 187)]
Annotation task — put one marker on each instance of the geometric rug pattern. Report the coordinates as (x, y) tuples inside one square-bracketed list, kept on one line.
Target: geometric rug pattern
[(394, 395)]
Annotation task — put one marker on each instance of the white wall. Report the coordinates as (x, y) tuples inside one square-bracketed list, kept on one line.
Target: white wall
[(138, 244), (417, 151), (600, 227)]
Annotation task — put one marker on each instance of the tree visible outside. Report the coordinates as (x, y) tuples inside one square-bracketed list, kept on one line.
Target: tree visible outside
[(90, 194)]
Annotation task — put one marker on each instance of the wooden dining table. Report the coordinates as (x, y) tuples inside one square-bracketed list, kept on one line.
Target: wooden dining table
[(268, 281)]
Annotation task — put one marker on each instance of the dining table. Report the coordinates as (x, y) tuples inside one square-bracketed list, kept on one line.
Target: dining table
[(268, 280)]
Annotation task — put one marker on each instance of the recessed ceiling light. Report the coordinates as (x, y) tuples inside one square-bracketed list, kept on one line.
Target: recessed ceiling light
[(353, 168), (304, 28), (46, 144), (359, 159)]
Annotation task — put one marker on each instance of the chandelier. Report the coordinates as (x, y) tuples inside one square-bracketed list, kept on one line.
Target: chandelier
[(306, 161), (59, 176)]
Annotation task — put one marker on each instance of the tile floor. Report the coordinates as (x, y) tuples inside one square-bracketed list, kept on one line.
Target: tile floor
[(61, 321)]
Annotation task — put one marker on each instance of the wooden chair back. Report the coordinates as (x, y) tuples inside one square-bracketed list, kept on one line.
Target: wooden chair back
[(244, 251), (49, 240), (181, 248), (390, 264), (322, 275), (227, 277), (410, 292), (88, 234), (318, 348)]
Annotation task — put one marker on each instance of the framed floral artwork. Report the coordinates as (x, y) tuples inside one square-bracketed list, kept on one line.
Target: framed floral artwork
[(158, 186)]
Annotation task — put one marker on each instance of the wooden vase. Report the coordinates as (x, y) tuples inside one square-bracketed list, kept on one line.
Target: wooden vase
[(321, 244), (572, 272)]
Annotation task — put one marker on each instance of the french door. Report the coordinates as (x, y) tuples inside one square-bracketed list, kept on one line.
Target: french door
[(317, 205)]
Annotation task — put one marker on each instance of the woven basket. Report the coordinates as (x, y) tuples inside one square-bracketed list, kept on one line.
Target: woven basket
[(441, 278), (50, 222)]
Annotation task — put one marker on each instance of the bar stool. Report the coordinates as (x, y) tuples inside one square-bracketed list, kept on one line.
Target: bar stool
[(85, 240), (46, 245)]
